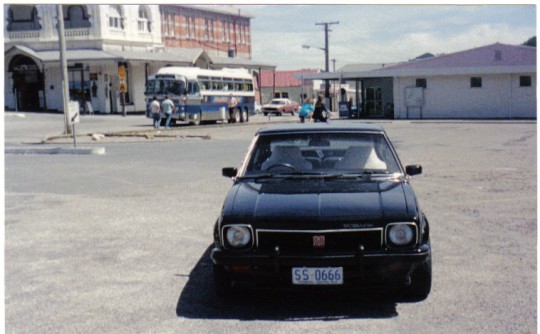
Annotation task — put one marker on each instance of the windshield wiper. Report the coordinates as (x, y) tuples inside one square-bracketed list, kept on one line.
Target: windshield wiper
[(257, 176), (344, 176), (367, 174)]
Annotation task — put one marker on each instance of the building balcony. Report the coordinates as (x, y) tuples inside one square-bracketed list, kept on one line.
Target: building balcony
[(78, 32), (24, 34)]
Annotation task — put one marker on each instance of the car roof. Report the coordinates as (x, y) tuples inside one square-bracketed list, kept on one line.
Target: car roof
[(321, 127)]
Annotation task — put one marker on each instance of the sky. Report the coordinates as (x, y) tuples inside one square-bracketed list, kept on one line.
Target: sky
[(380, 33)]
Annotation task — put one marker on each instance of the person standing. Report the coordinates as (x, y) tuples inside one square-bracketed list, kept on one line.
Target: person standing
[(232, 105), (167, 106), (155, 110), (307, 110), (320, 112)]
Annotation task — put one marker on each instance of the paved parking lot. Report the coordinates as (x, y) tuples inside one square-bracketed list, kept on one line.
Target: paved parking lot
[(118, 243)]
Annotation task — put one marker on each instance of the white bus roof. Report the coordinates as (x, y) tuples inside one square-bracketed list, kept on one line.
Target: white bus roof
[(194, 72)]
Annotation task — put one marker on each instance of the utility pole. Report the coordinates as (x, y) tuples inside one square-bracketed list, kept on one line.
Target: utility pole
[(326, 58), (63, 65)]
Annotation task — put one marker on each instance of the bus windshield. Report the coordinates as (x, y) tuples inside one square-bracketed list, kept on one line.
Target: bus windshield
[(165, 86)]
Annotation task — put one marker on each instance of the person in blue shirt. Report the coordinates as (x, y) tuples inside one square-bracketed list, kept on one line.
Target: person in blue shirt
[(307, 110)]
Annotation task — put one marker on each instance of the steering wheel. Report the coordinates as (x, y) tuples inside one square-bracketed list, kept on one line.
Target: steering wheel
[(283, 164)]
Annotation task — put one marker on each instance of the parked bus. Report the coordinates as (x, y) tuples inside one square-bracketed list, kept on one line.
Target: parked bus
[(202, 95)]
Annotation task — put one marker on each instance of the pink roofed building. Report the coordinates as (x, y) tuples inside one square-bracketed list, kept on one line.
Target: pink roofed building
[(496, 81), (286, 84)]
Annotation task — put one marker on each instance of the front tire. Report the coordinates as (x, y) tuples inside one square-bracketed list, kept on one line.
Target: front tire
[(420, 286), (197, 119)]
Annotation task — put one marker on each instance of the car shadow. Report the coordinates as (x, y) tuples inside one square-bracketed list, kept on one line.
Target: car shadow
[(197, 300)]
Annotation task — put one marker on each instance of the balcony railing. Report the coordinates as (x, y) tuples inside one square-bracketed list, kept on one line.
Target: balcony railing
[(77, 32), (23, 34)]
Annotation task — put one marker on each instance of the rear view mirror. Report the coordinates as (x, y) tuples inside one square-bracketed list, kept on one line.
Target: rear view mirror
[(229, 172), (413, 170)]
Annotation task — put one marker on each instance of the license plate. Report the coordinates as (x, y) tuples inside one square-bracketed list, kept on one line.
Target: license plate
[(317, 276)]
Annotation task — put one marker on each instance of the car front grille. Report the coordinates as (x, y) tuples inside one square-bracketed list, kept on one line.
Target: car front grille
[(315, 241)]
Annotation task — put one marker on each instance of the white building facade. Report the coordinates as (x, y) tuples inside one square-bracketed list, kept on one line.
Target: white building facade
[(496, 81), (109, 47), (97, 37)]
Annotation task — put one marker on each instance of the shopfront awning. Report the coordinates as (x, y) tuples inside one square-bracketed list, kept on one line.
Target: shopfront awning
[(53, 56), (219, 62)]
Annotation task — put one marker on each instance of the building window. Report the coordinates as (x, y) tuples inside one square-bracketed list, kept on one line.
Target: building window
[(223, 31), (421, 83), (75, 17), (191, 32), (143, 22), (498, 55), (476, 82), (206, 29), (115, 17), (525, 81), (212, 36), (23, 17), (165, 25)]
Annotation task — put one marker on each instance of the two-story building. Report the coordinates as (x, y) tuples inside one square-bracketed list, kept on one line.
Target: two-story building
[(110, 45)]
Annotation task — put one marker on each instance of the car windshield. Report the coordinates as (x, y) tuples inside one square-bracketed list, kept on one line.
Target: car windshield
[(327, 154), (277, 102)]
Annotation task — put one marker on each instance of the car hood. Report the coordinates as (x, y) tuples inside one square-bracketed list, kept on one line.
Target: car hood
[(319, 202)]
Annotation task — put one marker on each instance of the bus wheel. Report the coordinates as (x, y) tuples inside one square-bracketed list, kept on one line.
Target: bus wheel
[(245, 116), (237, 118), (196, 119)]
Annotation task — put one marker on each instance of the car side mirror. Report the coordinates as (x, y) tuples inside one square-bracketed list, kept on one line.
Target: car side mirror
[(229, 172), (413, 170)]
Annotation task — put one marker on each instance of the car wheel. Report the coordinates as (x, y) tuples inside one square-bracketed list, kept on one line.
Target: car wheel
[(222, 282), (265, 113), (420, 283)]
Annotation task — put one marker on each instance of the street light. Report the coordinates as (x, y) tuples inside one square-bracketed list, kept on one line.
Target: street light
[(325, 49), (326, 69)]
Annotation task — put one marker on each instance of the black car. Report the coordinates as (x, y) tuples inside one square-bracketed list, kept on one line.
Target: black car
[(325, 205)]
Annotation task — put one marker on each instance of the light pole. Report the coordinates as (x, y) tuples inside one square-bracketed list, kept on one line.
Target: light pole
[(326, 58), (326, 90)]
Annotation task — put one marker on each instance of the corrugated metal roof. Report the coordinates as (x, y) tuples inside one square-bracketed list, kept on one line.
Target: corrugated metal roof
[(283, 78), (360, 67), (493, 55), (227, 61), (491, 59)]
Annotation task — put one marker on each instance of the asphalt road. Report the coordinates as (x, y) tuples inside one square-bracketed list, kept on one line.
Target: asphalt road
[(118, 243)]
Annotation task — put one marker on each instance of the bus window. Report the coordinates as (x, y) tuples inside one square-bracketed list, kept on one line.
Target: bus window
[(217, 84), (193, 88), (228, 84), (174, 88), (205, 83), (238, 85)]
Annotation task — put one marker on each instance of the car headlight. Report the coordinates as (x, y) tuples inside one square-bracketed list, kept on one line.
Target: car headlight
[(238, 236), (401, 234)]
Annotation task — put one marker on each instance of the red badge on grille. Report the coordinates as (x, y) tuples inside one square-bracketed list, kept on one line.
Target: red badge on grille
[(319, 241)]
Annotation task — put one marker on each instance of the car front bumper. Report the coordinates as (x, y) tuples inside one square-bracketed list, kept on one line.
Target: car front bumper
[(360, 268)]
